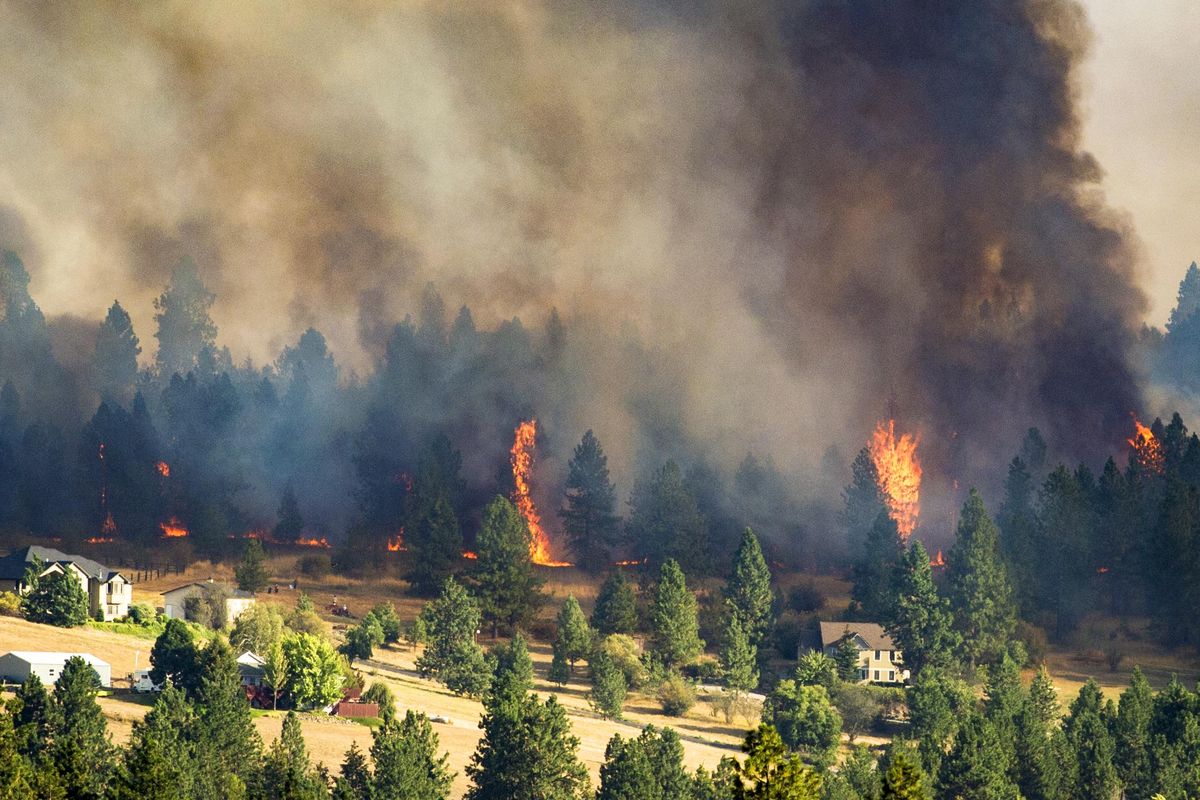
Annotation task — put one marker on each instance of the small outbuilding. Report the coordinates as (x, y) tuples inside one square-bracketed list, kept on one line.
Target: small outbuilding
[(48, 666)]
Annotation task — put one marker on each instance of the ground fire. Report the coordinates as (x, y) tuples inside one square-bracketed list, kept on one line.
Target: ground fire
[(173, 529), (524, 441), (899, 472)]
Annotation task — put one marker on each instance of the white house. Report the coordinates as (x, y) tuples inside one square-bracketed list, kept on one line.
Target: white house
[(107, 590), (878, 659), (175, 600), (20, 664)]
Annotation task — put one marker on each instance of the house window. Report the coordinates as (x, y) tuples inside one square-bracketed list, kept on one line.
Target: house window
[(862, 674), (876, 655), (891, 676), (876, 674)]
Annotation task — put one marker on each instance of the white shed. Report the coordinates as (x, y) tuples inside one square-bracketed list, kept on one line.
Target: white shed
[(19, 664)]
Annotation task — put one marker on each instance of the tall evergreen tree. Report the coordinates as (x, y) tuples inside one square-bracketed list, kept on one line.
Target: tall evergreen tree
[(174, 658), (185, 328), (33, 718), (512, 671), (769, 772), (974, 769), (19, 777), (287, 772), (863, 503), (980, 593), (749, 589), (355, 781), (1044, 697), (1131, 732), (649, 767), (616, 606), (160, 760), (572, 637), (588, 512), (228, 746), (937, 704), (435, 544), (676, 632), (1037, 768), (453, 656), (920, 621), (739, 656), (873, 593), (665, 522), (1092, 747), (56, 599), (608, 686), (904, 779), (289, 523), (115, 360), (508, 588), (80, 747), (407, 764), (251, 574)]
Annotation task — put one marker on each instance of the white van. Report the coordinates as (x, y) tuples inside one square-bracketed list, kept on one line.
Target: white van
[(141, 682)]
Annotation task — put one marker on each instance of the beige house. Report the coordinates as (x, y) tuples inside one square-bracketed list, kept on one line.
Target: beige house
[(108, 591), (175, 600), (878, 659)]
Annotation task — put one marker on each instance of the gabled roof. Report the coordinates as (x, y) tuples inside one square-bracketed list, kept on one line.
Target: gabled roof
[(13, 565), (54, 657), (233, 593), (871, 633)]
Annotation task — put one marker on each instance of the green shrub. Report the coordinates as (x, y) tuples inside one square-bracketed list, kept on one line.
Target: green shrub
[(626, 655), (677, 695), (142, 614), (381, 694)]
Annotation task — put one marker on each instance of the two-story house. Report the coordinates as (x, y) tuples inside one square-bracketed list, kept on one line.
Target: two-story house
[(878, 659), (108, 591)]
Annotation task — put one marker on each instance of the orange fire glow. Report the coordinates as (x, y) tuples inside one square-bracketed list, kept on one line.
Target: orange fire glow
[(470, 556), (110, 525), (98, 540), (173, 529), (313, 542), (899, 473), (1147, 449), (395, 544), (163, 468), (938, 561), (524, 442), (633, 562)]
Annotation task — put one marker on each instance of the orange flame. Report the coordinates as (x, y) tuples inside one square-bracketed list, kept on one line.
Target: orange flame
[(395, 544), (98, 540), (313, 542), (1101, 570), (1147, 449), (938, 561), (467, 554), (110, 525), (163, 468), (899, 475), (173, 529), (522, 467), (633, 562)]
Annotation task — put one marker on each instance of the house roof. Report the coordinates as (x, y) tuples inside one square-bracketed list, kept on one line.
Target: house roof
[(233, 593), (870, 632), (13, 565), (54, 657)]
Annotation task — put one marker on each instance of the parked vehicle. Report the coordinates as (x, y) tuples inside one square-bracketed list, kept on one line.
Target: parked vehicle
[(140, 681)]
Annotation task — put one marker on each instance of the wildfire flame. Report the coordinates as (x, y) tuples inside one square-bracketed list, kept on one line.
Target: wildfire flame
[(938, 561), (1147, 449), (633, 562), (525, 439), (173, 529), (395, 544), (110, 525), (899, 475), (467, 554), (163, 468), (98, 539), (313, 542)]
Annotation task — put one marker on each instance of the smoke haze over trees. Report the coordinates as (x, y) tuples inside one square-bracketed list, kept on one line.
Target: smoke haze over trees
[(758, 225)]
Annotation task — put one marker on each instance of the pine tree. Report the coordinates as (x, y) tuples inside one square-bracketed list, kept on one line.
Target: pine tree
[(676, 632), (649, 767), (407, 764), (290, 523), (974, 769), (749, 589), (937, 703), (251, 574), (229, 749), (1092, 747), (527, 750), (19, 779), (56, 599), (355, 781), (1019, 533), (452, 656), (873, 592), (1131, 731), (160, 761), (980, 593), (665, 522), (287, 773), (769, 772), (115, 361), (1038, 772), (806, 719), (573, 636), (512, 672), (508, 588), (185, 329), (1044, 697), (80, 747), (863, 502), (616, 606), (435, 544), (608, 687), (847, 658), (862, 775), (904, 779), (33, 718), (739, 656), (559, 672), (1187, 299), (1004, 697), (589, 521), (920, 620)]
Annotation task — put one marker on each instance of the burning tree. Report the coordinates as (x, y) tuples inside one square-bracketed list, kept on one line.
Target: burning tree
[(521, 457), (899, 475), (1146, 451)]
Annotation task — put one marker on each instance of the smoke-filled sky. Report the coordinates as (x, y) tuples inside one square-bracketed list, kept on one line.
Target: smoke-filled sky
[(815, 206)]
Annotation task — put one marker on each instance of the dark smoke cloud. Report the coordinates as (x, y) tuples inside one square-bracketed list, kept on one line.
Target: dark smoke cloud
[(815, 207)]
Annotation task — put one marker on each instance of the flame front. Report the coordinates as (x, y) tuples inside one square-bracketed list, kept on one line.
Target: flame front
[(173, 529), (312, 541), (524, 441), (395, 544), (164, 469), (899, 474), (1147, 449)]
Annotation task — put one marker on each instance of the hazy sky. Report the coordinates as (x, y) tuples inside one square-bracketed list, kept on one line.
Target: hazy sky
[(1142, 112)]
